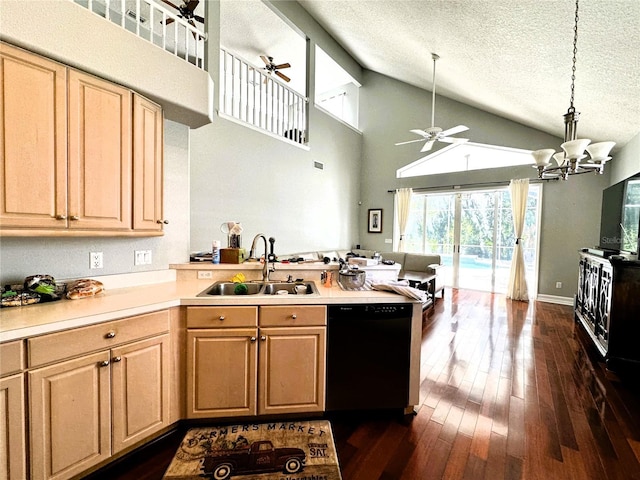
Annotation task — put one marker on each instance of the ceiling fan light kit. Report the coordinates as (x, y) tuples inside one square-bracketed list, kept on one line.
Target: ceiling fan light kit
[(432, 134), (571, 161)]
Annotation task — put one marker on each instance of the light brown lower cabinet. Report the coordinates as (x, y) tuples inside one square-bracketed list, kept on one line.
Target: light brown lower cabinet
[(13, 457), (12, 428), (85, 409), (249, 371), (292, 370)]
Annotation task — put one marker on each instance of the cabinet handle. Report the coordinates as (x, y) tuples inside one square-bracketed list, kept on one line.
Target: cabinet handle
[(166, 222), (253, 339), (221, 318), (74, 217), (294, 316), (263, 337), (61, 217), (104, 363), (110, 335), (116, 359)]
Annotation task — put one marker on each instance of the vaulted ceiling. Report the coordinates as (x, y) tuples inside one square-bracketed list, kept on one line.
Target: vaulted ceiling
[(508, 57)]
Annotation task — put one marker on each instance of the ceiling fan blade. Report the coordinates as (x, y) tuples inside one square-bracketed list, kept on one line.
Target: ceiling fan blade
[(192, 4), (427, 146), (199, 18), (170, 4), (454, 130), (419, 132), (265, 60), (169, 21), (283, 65), (283, 76), (410, 141), (453, 140)]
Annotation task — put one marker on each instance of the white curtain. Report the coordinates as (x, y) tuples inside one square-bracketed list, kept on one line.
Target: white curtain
[(517, 288), (403, 206)]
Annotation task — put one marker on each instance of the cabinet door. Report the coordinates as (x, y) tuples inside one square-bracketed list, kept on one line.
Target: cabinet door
[(12, 428), (70, 412), (148, 142), (140, 390), (292, 370), (99, 154), (221, 372), (33, 141)]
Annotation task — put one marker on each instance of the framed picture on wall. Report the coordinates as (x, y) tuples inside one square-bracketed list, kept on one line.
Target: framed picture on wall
[(375, 220)]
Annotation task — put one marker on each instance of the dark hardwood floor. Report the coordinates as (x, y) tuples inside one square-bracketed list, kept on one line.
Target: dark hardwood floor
[(509, 391)]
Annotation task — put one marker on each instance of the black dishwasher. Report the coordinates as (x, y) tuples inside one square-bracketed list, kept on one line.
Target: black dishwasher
[(368, 356)]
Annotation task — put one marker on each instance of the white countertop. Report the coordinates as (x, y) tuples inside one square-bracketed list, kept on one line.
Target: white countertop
[(27, 321)]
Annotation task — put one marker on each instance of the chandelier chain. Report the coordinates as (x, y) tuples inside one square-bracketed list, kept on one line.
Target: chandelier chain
[(575, 52)]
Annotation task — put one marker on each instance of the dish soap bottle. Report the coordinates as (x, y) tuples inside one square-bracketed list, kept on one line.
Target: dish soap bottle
[(215, 251)]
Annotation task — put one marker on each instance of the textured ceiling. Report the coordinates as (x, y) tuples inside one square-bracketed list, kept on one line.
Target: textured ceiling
[(511, 58)]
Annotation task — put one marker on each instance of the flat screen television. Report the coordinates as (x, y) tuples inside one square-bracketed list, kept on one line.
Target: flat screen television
[(620, 216)]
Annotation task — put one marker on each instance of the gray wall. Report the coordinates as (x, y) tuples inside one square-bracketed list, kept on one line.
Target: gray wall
[(238, 174), (389, 109), (625, 163)]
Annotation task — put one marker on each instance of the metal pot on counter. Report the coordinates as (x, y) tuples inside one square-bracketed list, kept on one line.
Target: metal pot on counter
[(351, 278)]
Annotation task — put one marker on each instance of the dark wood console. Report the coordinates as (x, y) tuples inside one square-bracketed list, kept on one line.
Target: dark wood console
[(607, 306)]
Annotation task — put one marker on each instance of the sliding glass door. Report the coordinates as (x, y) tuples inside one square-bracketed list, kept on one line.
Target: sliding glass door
[(473, 232)]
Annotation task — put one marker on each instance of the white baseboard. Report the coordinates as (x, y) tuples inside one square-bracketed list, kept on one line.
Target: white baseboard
[(555, 299)]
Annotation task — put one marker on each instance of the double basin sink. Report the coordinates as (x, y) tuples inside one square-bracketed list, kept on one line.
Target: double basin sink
[(223, 288)]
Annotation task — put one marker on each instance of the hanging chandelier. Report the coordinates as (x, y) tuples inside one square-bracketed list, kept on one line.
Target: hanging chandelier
[(572, 160)]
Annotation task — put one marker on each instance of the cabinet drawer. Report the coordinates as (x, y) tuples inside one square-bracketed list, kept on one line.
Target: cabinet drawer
[(70, 343), (210, 317), (292, 315), (11, 358)]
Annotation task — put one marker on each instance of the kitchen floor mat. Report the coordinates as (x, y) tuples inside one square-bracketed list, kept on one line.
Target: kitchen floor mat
[(294, 450)]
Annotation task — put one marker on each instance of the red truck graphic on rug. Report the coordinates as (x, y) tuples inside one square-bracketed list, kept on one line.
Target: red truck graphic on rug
[(260, 456)]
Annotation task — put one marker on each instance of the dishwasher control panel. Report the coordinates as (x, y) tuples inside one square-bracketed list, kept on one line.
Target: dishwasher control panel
[(382, 310)]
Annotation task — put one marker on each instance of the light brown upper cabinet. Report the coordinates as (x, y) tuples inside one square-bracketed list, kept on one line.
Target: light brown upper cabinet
[(99, 154), (81, 157), (33, 140), (148, 129)]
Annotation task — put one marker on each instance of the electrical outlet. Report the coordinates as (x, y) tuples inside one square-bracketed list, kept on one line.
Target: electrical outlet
[(147, 257), (204, 274), (388, 240), (558, 284), (96, 260)]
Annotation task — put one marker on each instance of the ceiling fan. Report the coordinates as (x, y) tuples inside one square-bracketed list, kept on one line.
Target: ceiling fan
[(433, 133), (273, 68), (186, 11)]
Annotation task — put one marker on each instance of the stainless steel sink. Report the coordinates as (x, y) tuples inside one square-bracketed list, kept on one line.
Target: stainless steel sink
[(289, 288), (259, 288), (228, 288)]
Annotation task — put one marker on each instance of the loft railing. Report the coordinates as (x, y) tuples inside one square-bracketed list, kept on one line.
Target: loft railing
[(249, 94), (148, 20)]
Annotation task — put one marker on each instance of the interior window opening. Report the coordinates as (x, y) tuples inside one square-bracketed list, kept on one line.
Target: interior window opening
[(337, 92)]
